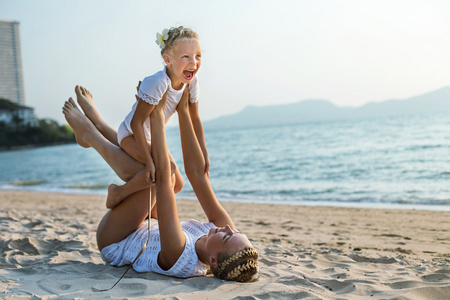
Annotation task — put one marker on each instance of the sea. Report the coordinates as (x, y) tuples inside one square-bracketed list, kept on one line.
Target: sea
[(388, 162)]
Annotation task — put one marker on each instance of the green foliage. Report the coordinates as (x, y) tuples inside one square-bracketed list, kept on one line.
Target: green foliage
[(48, 132)]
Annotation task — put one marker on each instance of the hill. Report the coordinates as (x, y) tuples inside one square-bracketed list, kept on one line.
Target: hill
[(321, 110)]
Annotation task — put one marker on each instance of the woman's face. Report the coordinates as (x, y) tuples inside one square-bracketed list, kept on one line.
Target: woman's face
[(184, 61), (225, 239)]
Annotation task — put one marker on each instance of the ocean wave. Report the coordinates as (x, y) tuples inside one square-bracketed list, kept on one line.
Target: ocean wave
[(89, 186), (424, 147), (28, 183)]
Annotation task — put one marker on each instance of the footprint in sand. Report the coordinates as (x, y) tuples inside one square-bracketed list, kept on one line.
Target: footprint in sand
[(53, 287), (135, 287)]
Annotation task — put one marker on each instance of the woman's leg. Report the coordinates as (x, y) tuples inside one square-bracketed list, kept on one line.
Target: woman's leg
[(172, 237), (87, 136), (122, 220)]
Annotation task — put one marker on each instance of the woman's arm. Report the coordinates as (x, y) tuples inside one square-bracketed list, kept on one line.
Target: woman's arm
[(194, 165), (198, 129), (173, 239), (143, 110)]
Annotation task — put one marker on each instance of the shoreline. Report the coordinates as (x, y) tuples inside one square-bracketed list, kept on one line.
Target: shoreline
[(34, 146), (49, 247), (329, 204)]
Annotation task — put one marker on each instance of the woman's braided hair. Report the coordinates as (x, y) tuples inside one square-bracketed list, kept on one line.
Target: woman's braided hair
[(177, 35), (241, 266)]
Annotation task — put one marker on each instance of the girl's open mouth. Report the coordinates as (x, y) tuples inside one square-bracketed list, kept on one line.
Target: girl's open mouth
[(188, 75)]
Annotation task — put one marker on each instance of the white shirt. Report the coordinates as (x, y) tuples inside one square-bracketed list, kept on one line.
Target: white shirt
[(152, 90), (187, 265)]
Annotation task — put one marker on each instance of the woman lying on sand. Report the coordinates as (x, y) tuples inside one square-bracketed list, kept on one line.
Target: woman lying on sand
[(175, 249)]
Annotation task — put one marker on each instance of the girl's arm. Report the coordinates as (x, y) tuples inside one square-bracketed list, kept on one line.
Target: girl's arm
[(173, 239), (143, 110), (194, 165), (198, 129)]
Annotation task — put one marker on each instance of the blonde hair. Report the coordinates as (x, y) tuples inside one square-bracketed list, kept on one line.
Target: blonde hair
[(241, 266), (177, 35)]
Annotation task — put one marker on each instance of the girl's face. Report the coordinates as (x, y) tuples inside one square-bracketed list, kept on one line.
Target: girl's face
[(184, 62)]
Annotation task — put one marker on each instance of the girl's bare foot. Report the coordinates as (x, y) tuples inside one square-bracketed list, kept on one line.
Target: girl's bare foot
[(81, 126), (114, 196), (86, 102)]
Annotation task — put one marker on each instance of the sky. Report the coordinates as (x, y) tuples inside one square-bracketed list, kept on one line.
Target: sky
[(255, 52)]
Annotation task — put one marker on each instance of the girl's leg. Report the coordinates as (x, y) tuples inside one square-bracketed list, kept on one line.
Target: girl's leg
[(177, 179), (86, 102), (116, 193), (130, 146)]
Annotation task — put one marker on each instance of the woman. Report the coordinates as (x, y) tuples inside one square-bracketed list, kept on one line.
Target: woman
[(176, 249)]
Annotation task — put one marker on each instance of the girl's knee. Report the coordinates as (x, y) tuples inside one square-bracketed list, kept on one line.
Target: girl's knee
[(177, 179), (179, 183)]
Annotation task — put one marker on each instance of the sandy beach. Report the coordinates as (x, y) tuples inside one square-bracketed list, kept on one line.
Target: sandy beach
[(49, 251)]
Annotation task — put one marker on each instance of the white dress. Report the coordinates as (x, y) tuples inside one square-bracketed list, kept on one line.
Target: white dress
[(151, 91), (187, 265)]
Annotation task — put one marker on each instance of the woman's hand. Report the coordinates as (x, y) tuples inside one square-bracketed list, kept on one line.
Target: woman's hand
[(207, 165)]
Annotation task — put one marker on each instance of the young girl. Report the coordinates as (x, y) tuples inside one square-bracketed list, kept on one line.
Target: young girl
[(181, 52)]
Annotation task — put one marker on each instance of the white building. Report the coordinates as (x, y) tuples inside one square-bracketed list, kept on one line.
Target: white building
[(12, 114), (11, 77)]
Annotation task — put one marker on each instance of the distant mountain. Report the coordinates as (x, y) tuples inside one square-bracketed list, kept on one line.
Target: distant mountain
[(321, 110)]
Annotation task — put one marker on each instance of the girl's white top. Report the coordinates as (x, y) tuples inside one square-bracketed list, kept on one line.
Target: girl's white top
[(187, 265), (152, 90)]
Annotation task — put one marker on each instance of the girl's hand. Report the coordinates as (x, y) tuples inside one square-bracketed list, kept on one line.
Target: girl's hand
[(150, 171), (137, 90), (138, 86)]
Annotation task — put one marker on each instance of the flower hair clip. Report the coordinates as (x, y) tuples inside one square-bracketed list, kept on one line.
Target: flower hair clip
[(161, 37)]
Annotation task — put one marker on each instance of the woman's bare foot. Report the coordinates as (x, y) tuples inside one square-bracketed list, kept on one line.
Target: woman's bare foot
[(81, 125)]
